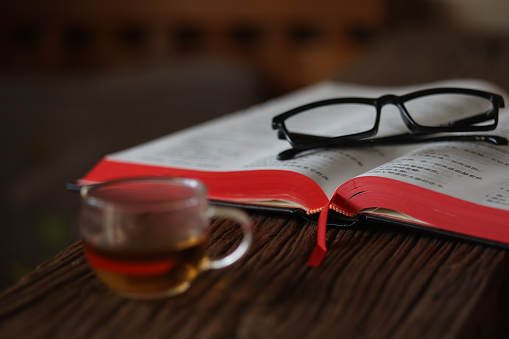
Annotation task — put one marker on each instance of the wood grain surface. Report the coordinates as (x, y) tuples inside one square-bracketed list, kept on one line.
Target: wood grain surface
[(374, 283)]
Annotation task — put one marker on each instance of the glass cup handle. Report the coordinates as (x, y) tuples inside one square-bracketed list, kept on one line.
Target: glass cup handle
[(243, 219)]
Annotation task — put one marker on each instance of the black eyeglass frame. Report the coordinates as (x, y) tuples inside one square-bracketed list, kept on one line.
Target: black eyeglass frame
[(301, 142)]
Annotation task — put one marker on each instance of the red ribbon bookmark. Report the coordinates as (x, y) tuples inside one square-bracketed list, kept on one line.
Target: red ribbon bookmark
[(318, 254)]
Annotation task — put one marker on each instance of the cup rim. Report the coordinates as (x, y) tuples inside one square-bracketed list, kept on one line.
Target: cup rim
[(87, 192)]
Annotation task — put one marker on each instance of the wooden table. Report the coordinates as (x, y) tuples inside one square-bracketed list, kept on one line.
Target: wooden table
[(376, 282)]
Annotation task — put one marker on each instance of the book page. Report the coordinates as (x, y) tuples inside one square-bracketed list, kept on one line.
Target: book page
[(475, 172), (245, 140)]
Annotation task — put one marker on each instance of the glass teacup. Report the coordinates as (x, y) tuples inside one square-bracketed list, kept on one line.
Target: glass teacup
[(147, 237)]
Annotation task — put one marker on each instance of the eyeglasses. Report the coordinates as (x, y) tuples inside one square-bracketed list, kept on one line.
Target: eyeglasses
[(352, 122)]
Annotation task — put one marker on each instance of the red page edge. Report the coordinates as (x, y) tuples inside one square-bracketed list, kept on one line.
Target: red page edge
[(439, 210), (240, 186)]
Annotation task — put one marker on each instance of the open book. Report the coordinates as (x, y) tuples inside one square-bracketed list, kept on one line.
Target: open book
[(455, 187)]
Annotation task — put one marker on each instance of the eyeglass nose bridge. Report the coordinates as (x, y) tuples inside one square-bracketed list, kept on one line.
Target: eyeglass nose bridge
[(388, 99)]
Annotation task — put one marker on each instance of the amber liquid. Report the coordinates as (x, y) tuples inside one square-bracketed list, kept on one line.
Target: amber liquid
[(149, 274)]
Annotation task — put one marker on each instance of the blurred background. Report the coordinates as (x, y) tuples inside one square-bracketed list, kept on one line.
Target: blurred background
[(81, 79)]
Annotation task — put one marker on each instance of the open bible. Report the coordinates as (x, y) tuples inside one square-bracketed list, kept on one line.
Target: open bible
[(453, 187)]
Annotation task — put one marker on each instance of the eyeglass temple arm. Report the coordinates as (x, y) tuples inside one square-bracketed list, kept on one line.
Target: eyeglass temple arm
[(301, 136), (398, 140), (315, 138), (481, 117)]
